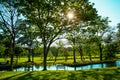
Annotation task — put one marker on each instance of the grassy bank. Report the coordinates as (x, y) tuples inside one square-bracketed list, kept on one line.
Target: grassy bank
[(60, 60), (94, 74)]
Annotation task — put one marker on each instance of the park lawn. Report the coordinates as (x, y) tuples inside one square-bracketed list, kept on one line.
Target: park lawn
[(60, 60), (39, 60), (93, 74)]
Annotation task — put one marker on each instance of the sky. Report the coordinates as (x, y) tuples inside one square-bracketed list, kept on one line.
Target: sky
[(108, 8)]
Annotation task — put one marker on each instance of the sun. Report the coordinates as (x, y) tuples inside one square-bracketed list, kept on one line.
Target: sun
[(70, 15)]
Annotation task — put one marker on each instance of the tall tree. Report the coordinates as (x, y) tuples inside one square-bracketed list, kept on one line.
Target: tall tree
[(47, 16), (84, 13), (9, 18), (50, 16), (118, 32), (80, 44), (117, 40), (100, 28), (28, 37)]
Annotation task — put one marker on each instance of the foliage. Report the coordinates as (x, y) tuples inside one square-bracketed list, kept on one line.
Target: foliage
[(9, 21), (2, 50), (54, 51), (38, 51), (110, 51), (36, 24), (18, 51)]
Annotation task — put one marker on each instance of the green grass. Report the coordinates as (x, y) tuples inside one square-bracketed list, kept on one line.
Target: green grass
[(60, 60), (93, 74)]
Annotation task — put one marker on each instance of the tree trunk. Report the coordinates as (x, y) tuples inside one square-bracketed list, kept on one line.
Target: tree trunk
[(11, 62), (81, 56), (45, 57), (29, 60), (74, 56), (89, 53), (56, 55), (17, 59), (55, 58), (81, 53), (66, 56), (90, 57), (45, 60), (12, 52), (74, 50), (75, 68), (46, 50), (100, 49), (32, 55)]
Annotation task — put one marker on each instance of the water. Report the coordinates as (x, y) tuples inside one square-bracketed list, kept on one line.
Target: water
[(63, 67)]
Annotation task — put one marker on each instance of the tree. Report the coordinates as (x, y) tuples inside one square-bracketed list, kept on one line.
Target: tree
[(47, 16), (80, 50), (57, 50), (62, 50), (118, 36), (118, 32), (72, 40), (54, 51), (110, 51), (18, 52), (100, 28), (28, 37), (84, 15), (50, 16), (9, 17)]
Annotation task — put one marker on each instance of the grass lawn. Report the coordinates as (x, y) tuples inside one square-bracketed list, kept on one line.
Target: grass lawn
[(59, 60), (93, 74)]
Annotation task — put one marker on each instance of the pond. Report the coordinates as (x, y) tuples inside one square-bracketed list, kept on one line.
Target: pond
[(64, 67)]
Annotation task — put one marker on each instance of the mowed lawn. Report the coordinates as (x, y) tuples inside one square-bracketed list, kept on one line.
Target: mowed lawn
[(93, 74)]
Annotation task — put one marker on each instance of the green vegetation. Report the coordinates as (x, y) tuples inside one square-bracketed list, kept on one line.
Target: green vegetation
[(55, 31), (45, 32), (96, 74), (60, 60)]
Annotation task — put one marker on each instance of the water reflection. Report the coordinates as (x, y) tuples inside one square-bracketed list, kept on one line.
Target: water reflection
[(63, 67)]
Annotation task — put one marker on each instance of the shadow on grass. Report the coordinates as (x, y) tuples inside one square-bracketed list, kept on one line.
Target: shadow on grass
[(96, 74), (11, 76)]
